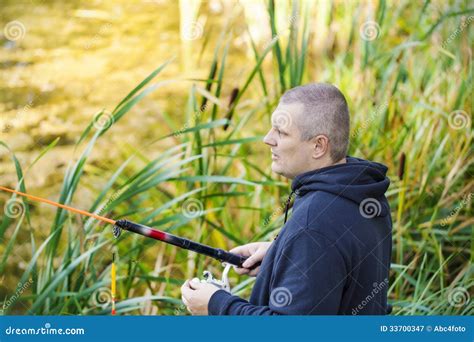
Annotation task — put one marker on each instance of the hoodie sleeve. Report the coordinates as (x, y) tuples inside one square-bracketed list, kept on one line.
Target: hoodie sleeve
[(223, 303), (309, 279)]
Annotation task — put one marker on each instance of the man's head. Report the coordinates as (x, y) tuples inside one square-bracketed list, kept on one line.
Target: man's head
[(310, 129)]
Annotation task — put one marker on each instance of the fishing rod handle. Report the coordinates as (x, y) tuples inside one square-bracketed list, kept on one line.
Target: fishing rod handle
[(216, 253)]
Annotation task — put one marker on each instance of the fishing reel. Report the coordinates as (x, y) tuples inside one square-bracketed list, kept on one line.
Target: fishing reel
[(222, 283), (227, 258)]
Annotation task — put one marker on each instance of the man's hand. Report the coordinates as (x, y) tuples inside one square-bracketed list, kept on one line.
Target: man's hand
[(196, 296), (255, 251)]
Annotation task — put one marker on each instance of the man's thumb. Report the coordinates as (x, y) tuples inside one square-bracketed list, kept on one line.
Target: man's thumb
[(195, 284)]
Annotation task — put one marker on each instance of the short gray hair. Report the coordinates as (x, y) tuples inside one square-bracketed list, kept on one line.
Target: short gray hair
[(325, 112)]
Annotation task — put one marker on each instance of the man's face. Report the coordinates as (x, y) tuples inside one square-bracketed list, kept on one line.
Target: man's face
[(290, 155)]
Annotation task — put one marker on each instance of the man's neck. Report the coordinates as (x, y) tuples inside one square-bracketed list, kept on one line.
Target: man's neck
[(322, 165), (342, 161), (331, 163)]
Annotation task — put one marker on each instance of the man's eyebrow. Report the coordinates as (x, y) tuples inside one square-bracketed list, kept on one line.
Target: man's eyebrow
[(275, 125)]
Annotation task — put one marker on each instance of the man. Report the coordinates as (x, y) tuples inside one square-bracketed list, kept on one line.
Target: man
[(333, 255)]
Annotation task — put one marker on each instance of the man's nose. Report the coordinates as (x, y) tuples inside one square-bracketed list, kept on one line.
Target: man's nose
[(269, 139)]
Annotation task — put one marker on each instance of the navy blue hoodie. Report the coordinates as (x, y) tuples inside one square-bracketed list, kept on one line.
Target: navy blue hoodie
[(333, 255)]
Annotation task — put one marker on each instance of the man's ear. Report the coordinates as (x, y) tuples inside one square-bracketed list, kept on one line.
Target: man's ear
[(320, 146)]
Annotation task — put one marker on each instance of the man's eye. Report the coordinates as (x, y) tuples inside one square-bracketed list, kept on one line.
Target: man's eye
[(280, 133)]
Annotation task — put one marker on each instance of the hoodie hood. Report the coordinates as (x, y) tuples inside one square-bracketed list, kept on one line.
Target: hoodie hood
[(361, 181)]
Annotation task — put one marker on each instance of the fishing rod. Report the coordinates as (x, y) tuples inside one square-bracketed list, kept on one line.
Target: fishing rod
[(184, 243), (119, 225)]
